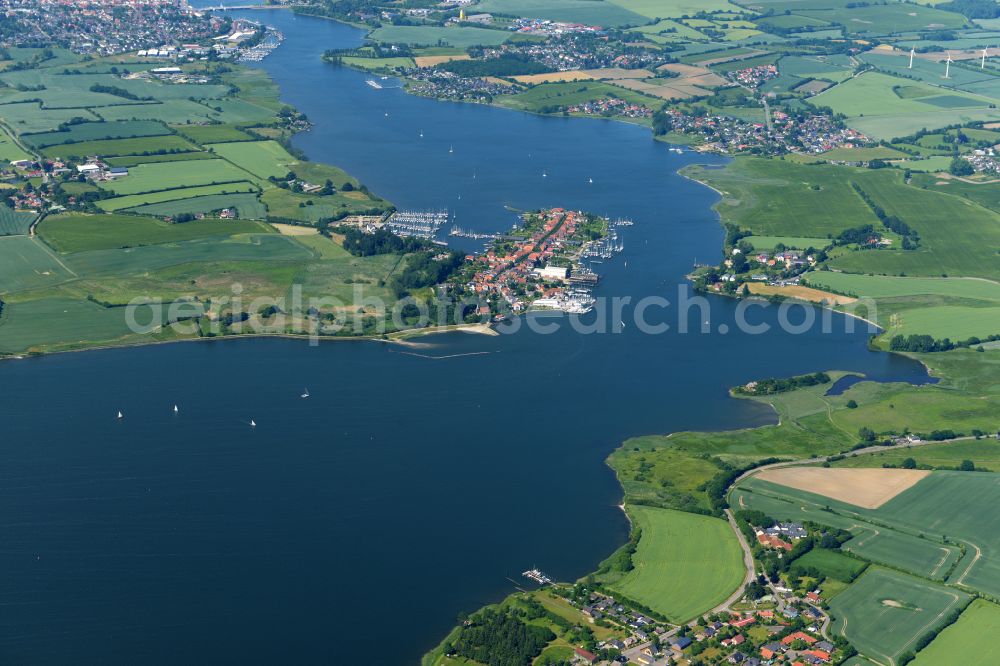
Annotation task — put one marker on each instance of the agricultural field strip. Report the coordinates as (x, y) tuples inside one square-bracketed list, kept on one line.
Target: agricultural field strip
[(878, 526)]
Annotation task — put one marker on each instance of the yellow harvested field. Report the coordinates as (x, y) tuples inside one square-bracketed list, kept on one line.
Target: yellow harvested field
[(430, 61), (294, 230), (742, 56), (710, 80), (685, 70), (493, 79), (554, 77), (800, 292), (663, 91), (867, 488), (614, 73)]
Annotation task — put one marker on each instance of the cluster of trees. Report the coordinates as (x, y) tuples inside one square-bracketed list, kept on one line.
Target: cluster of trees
[(423, 269), (911, 239), (920, 343), (973, 9), (118, 92), (781, 385), (512, 64), (855, 235), (621, 559), (381, 241), (960, 167), (500, 638)]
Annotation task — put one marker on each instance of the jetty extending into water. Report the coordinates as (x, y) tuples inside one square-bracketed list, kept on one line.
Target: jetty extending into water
[(537, 576)]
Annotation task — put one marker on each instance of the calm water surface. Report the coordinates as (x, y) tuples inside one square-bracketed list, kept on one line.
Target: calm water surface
[(357, 523)]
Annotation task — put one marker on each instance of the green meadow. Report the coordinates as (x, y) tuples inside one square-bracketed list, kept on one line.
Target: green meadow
[(432, 35), (117, 147), (672, 574), (261, 158), (9, 150), (174, 175), (881, 286), (80, 233), (885, 18), (176, 194), (832, 564), (968, 641), (591, 12), (984, 454), (880, 544), (139, 260), (792, 242), (126, 129), (203, 134), (547, 95), (25, 263), (884, 613), (247, 205), (67, 322), (873, 106), (14, 223)]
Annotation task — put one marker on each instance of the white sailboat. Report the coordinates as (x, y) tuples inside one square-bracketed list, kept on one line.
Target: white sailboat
[(545, 175), (175, 409), (253, 424), (120, 415), (451, 149), (305, 393), (590, 180)]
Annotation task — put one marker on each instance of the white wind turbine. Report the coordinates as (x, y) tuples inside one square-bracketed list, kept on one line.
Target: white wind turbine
[(982, 65), (947, 66), (912, 51)]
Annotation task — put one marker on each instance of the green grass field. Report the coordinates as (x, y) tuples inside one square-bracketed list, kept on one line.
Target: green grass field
[(13, 223), (600, 12), (174, 175), (880, 286), (10, 151), (545, 95), (116, 147), (969, 641), (261, 158), (956, 322), (30, 117), (884, 613), (873, 106), (937, 506), (25, 263), (831, 564), (957, 237), (58, 321), (672, 573), (135, 200), (676, 8), (130, 161), (202, 134), (81, 233), (773, 198), (882, 19), (794, 242), (861, 154), (984, 453), (248, 206), (880, 544), (139, 260), (97, 131), (432, 35)]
